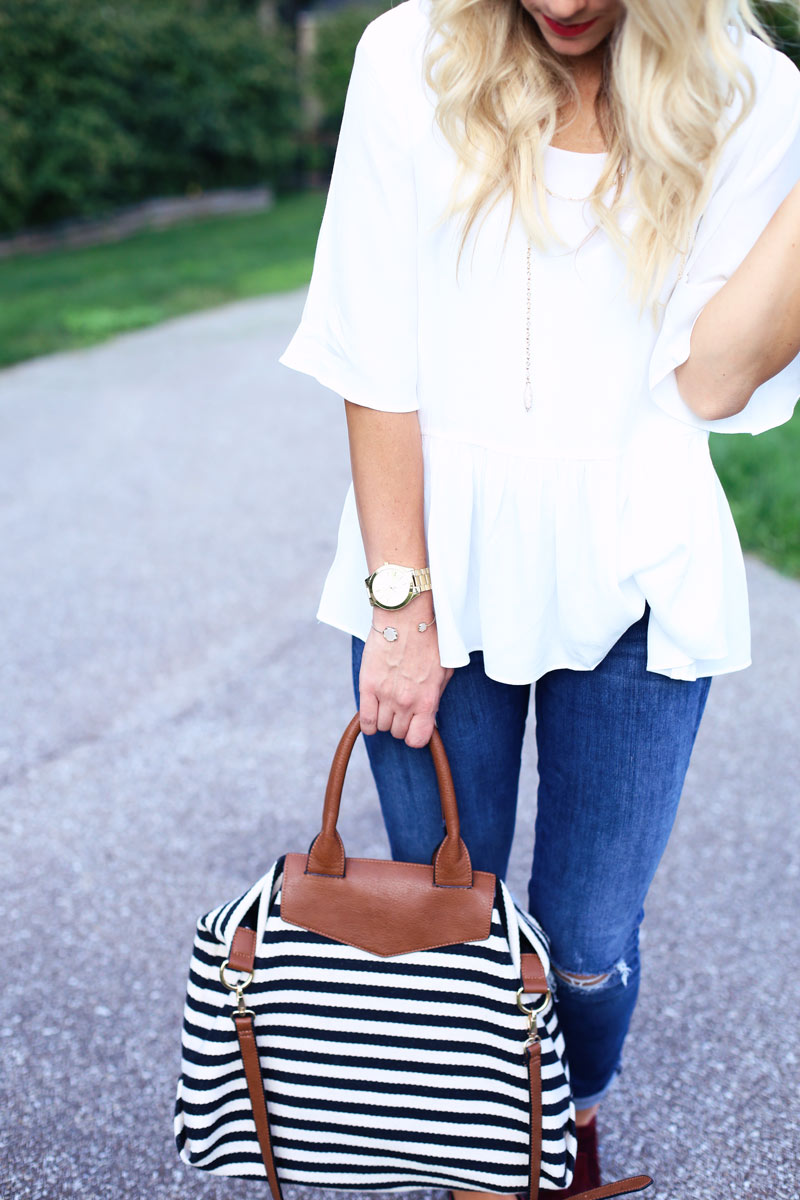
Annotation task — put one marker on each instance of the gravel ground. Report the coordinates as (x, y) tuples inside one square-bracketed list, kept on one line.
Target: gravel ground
[(168, 503)]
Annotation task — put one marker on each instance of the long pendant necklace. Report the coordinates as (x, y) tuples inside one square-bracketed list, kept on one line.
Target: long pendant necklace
[(527, 394)]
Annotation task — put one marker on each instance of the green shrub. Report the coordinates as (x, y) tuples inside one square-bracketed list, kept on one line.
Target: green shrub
[(336, 38), (783, 22), (760, 477), (107, 103)]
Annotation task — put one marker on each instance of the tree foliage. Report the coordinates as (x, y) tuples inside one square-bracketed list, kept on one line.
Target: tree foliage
[(336, 37), (782, 19), (106, 103)]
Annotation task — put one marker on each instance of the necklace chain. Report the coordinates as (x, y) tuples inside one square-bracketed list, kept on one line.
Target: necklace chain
[(558, 196), (527, 395)]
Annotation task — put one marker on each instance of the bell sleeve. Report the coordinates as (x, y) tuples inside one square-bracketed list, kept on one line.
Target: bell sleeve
[(358, 332), (756, 175)]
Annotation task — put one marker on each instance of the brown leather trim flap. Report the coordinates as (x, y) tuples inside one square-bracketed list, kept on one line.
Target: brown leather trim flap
[(243, 949), (451, 864), (533, 976), (326, 854), (386, 907)]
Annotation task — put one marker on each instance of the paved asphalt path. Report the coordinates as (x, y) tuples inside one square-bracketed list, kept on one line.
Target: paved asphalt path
[(168, 505)]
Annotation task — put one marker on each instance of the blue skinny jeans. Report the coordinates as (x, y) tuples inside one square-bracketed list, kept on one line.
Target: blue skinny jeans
[(613, 749)]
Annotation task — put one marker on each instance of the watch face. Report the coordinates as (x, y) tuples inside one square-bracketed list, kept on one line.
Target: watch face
[(391, 586)]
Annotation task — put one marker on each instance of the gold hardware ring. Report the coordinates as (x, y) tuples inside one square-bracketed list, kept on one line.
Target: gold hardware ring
[(235, 987), (532, 1012)]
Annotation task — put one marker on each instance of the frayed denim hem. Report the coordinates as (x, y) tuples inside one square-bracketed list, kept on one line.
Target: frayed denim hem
[(582, 1102)]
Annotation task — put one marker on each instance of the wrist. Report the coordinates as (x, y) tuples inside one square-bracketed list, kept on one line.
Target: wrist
[(393, 586), (416, 619)]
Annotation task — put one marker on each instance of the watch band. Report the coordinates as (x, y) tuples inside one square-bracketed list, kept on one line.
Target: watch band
[(422, 580)]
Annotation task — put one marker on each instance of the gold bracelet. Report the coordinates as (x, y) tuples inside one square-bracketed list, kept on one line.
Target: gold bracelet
[(391, 634)]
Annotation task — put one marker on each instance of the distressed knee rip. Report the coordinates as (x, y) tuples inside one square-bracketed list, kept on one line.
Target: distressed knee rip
[(593, 983)]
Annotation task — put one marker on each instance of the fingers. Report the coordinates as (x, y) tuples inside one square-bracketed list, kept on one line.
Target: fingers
[(368, 711), (399, 724), (415, 728), (420, 730), (384, 716)]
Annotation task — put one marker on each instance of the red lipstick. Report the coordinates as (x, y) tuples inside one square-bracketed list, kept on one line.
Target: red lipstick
[(569, 30)]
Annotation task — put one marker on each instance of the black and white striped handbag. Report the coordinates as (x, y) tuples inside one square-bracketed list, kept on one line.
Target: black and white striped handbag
[(376, 1026)]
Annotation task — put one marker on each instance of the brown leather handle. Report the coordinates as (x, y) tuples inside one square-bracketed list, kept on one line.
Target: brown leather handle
[(451, 864)]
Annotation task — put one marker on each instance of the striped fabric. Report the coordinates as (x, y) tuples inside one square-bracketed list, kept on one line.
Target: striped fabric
[(380, 1073)]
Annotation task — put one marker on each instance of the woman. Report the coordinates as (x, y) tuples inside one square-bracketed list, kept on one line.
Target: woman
[(560, 246)]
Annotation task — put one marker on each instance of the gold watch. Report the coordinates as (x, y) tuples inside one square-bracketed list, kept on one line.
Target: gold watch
[(392, 587)]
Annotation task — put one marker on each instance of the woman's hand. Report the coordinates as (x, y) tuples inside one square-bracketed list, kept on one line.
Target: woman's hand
[(401, 682)]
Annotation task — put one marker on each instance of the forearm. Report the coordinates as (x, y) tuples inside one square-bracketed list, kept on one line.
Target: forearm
[(386, 461), (401, 678), (750, 329)]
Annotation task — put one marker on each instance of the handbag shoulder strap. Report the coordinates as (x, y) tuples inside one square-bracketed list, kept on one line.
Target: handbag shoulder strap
[(624, 1187), (255, 1086), (242, 957)]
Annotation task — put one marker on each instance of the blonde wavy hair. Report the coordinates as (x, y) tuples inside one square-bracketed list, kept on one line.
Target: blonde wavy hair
[(670, 69)]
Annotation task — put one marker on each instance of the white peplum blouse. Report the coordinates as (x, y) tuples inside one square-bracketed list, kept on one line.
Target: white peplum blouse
[(547, 529)]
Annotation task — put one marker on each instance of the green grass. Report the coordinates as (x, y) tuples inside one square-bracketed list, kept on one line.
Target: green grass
[(69, 298), (761, 476)]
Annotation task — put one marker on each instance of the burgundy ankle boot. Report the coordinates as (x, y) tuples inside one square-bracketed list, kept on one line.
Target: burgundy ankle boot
[(587, 1164)]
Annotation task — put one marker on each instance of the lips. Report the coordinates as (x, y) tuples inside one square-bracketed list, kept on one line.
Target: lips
[(569, 30)]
